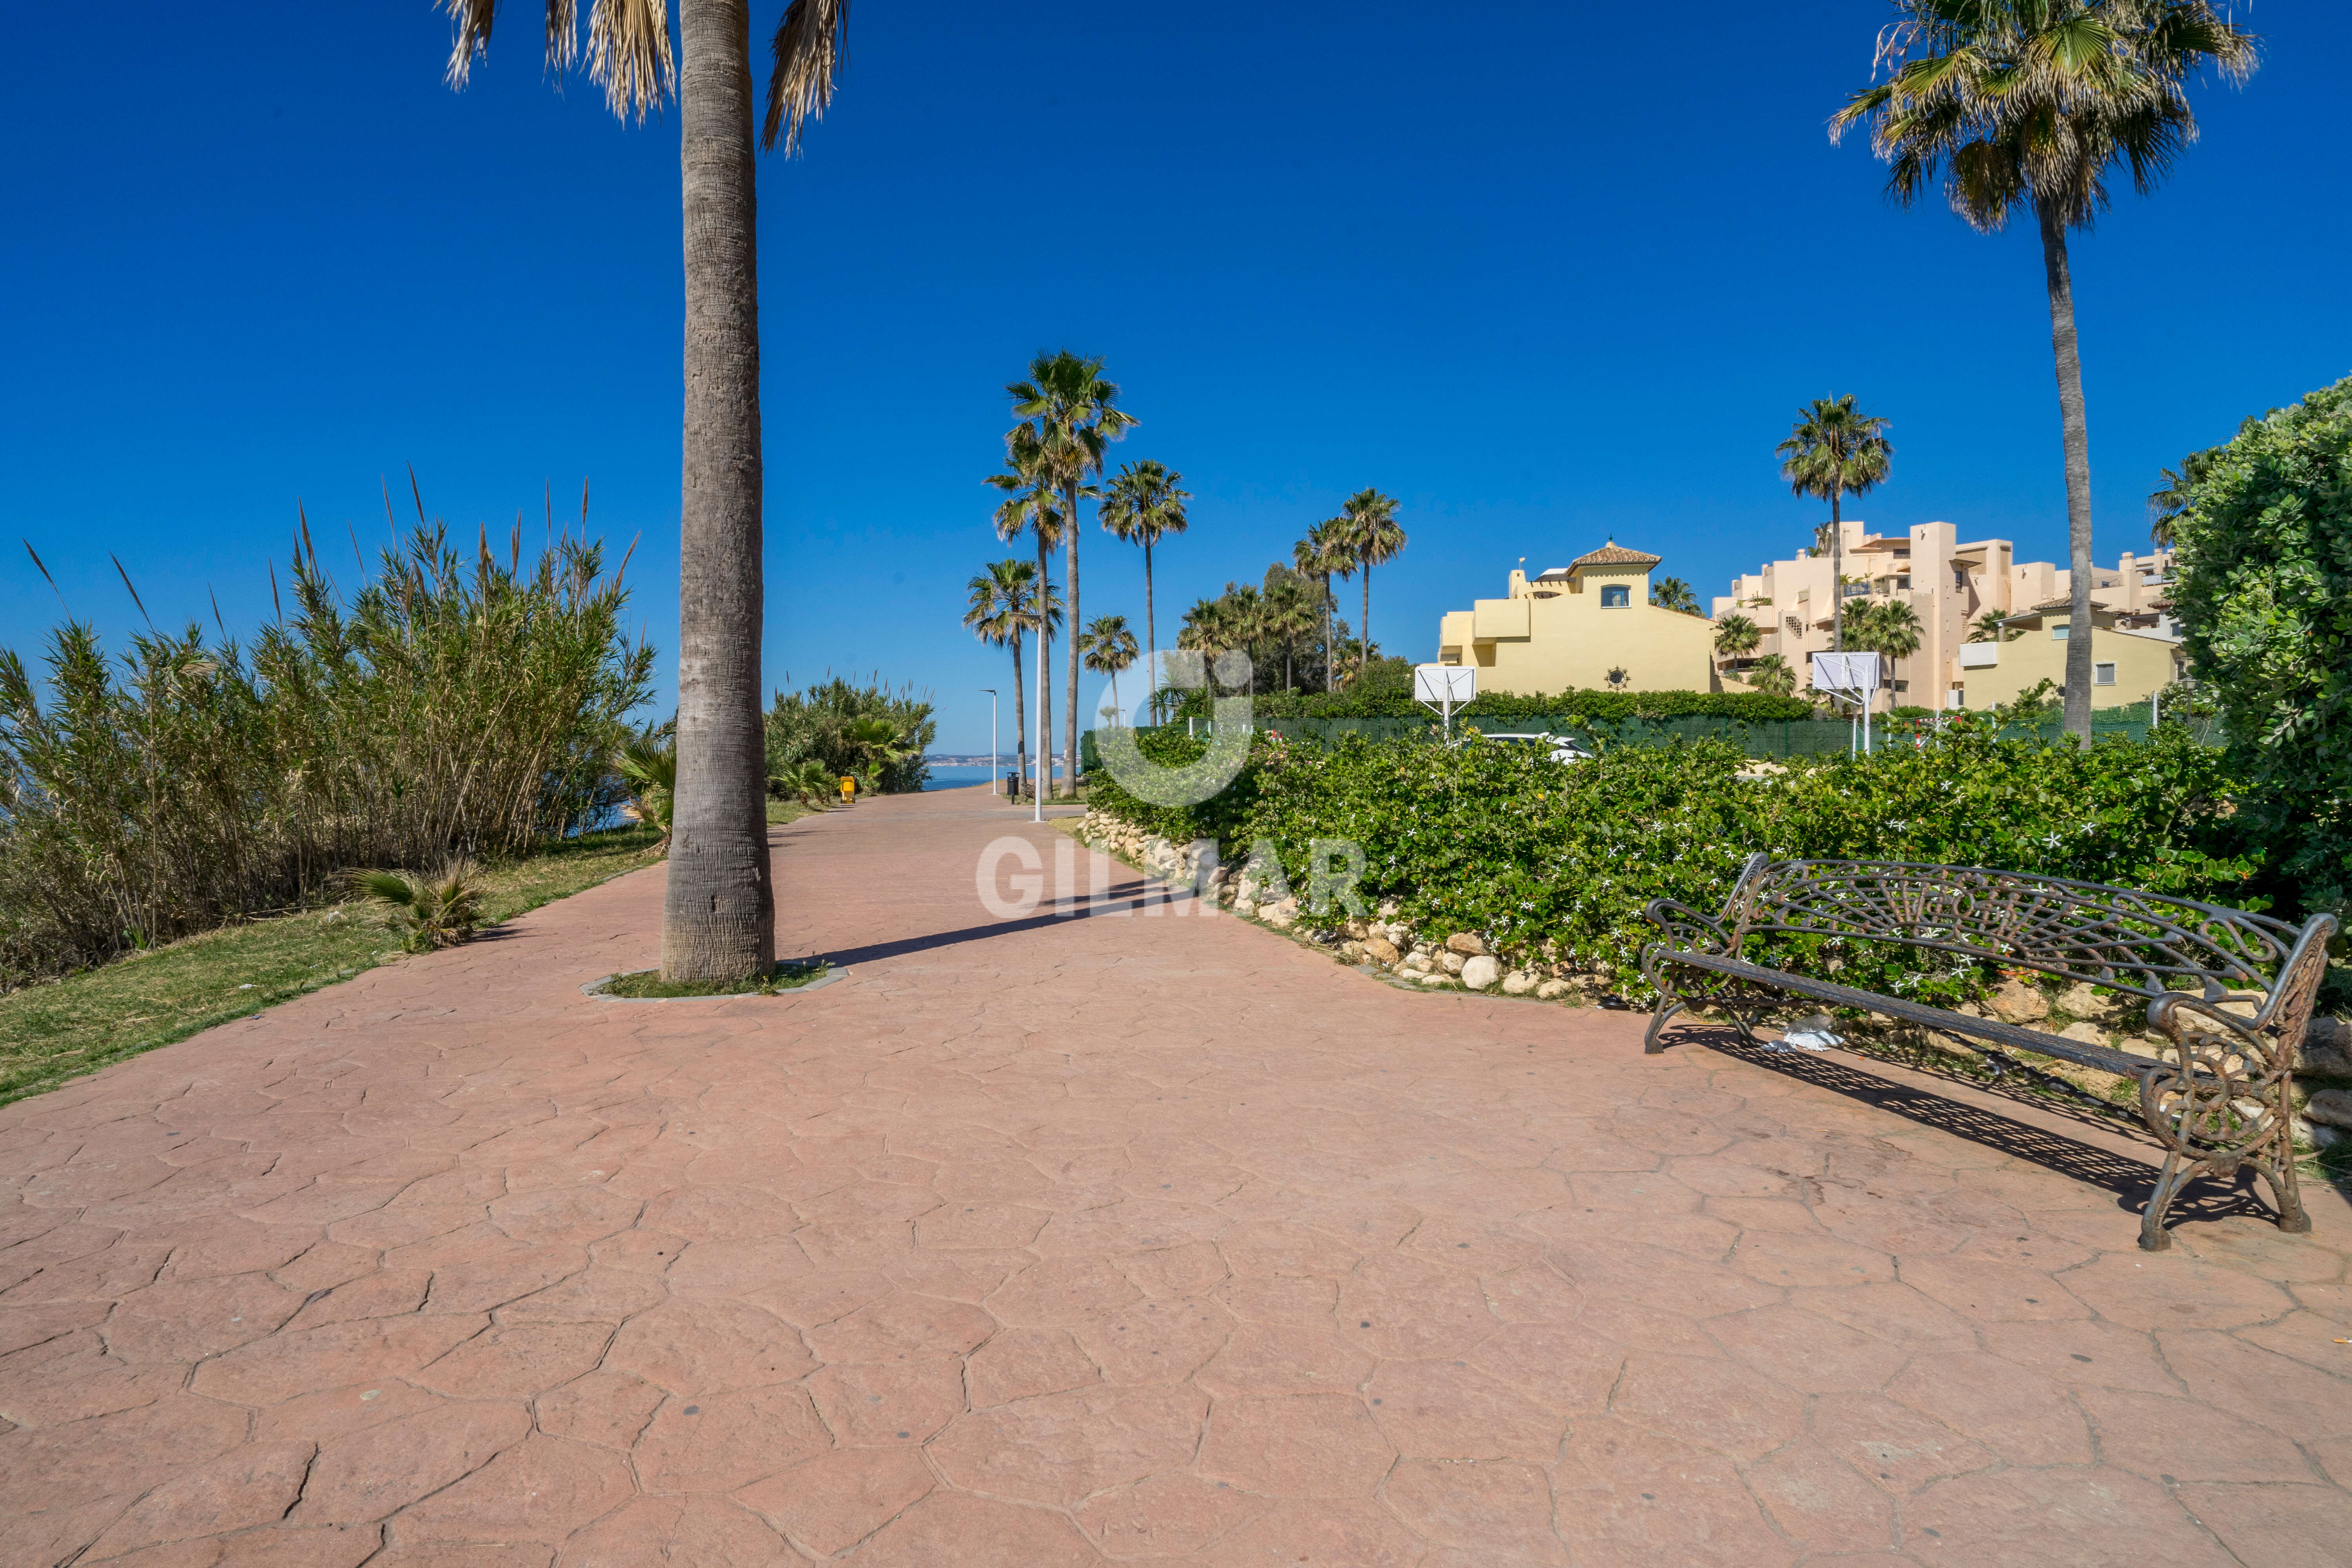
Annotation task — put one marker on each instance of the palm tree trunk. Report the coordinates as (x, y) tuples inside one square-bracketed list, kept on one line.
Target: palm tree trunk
[(1364, 632), (1070, 698), (2079, 632), (1150, 643), (1837, 576), (1330, 654), (718, 913), (1045, 673), (1020, 718)]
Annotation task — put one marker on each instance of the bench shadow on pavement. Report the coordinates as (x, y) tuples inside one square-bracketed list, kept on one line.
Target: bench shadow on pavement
[(1119, 899), (2131, 1181)]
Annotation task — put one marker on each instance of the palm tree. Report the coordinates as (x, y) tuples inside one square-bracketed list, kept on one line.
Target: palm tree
[(1991, 626), (1001, 603), (1369, 522), (1032, 487), (2169, 501), (1888, 628), (1321, 555), (1771, 676), (1110, 648), (1737, 636), (718, 915), (1834, 450), (1290, 611), (1076, 417), (2034, 103), (1674, 594), (1143, 504)]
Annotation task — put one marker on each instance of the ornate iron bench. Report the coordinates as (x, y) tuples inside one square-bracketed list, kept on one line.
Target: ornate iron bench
[(2218, 1097)]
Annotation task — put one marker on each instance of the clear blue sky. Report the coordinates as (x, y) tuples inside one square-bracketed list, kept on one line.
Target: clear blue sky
[(1544, 272)]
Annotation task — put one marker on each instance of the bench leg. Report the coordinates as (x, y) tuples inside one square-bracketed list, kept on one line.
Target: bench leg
[(1667, 1007), (2153, 1237), (2280, 1179)]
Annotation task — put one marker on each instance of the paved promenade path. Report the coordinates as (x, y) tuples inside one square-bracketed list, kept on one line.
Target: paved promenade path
[(1043, 1242)]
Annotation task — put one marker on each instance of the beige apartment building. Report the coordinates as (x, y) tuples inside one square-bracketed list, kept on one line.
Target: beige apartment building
[(1587, 624), (1951, 585)]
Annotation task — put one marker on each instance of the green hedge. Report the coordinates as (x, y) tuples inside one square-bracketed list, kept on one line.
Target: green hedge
[(1387, 701), (1549, 862)]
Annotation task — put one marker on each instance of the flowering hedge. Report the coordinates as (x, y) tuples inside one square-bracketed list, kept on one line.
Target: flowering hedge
[(1553, 864)]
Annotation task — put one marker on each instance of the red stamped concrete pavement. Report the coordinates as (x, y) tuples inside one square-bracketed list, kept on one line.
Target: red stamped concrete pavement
[(1053, 1242)]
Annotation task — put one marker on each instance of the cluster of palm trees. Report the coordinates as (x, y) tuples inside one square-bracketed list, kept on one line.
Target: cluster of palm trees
[(1294, 617)]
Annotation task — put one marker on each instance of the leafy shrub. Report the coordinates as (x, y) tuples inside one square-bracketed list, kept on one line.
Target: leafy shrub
[(2265, 600), (438, 911), (450, 707), (1554, 863), (865, 731)]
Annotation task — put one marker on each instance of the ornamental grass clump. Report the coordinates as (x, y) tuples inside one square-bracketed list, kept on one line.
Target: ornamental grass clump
[(439, 910), (447, 707)]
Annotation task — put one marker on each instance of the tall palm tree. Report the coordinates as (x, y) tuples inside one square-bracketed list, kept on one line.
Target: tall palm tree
[(718, 915), (1075, 412), (1143, 504), (1002, 605), (1289, 612), (1374, 539), (1834, 450), (1033, 491), (2034, 103), (1888, 628), (1110, 648), (1321, 555)]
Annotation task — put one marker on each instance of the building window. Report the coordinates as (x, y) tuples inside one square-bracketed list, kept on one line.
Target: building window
[(2058, 632), (1617, 597), (2103, 675), (1902, 686), (1903, 584), (1961, 579)]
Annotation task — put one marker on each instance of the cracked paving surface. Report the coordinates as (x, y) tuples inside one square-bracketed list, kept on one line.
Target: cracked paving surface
[(1047, 1242)]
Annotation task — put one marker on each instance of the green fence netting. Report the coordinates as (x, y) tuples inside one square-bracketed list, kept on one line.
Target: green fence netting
[(1765, 739)]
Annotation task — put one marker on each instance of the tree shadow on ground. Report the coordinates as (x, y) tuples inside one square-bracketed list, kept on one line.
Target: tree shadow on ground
[(2132, 1181), (1124, 899)]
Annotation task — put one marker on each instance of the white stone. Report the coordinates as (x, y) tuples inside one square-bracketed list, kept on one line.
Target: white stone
[(2084, 1034), (1553, 990), (1283, 914), (2332, 1107), (1414, 963), (1435, 979), (1481, 972), (1389, 907), (1519, 982), (1451, 961)]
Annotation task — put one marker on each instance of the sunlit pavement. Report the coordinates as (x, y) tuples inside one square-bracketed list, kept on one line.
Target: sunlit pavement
[(1046, 1241)]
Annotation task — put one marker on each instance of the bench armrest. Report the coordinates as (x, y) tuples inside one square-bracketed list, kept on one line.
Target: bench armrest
[(1687, 929), (2164, 1016)]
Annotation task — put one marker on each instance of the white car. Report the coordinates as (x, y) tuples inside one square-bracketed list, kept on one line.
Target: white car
[(1562, 748)]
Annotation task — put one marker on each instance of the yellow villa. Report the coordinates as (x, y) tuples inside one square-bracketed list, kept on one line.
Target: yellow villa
[(1587, 624)]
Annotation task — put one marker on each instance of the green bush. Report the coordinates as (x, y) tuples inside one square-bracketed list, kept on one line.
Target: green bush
[(2265, 600), (452, 707), (1555, 863), (863, 732)]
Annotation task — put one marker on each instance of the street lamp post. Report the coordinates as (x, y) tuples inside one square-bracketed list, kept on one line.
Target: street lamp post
[(991, 738)]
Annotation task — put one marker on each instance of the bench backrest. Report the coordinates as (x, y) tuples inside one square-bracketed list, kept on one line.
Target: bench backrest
[(2126, 940)]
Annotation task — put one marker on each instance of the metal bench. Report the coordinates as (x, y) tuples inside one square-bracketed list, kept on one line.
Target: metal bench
[(2217, 1096)]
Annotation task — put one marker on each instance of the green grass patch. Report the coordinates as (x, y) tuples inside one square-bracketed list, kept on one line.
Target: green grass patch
[(59, 1029), (648, 984)]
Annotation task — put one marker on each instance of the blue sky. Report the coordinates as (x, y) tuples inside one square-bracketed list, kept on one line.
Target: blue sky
[(1545, 273)]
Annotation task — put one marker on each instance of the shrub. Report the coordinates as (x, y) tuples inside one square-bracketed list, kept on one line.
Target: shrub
[(450, 707), (2265, 600), (1553, 862), (863, 731), (1395, 701)]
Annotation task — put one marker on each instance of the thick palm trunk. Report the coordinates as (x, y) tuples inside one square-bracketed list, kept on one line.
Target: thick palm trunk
[(1070, 698), (719, 916), (1364, 632), (1020, 718), (2080, 633), (1330, 654)]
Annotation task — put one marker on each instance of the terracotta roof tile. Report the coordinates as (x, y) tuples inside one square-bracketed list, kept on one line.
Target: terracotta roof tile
[(1615, 554)]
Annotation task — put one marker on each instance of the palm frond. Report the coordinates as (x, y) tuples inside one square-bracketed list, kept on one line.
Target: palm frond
[(628, 54), (811, 49)]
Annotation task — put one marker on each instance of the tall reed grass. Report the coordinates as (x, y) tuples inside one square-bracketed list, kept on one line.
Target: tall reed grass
[(447, 707)]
